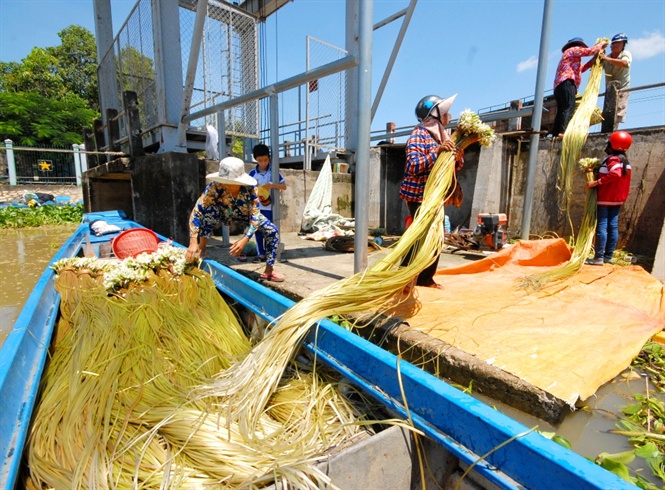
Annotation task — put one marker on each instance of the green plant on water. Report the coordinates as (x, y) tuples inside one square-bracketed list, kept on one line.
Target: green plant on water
[(31, 217), (643, 423)]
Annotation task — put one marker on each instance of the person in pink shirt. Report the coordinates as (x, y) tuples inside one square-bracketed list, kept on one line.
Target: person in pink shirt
[(568, 78)]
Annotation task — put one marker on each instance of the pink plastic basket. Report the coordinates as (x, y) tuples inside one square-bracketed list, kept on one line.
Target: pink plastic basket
[(134, 241)]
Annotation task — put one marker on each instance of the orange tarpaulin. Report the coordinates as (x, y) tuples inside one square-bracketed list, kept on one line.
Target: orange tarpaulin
[(568, 338)]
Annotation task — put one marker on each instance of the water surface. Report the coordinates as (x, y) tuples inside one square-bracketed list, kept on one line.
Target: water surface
[(24, 255)]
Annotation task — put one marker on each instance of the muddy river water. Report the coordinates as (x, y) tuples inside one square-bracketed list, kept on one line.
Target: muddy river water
[(25, 253)]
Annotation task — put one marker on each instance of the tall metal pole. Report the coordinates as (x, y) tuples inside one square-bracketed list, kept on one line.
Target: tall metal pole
[(536, 118), (364, 118), (393, 55), (201, 12), (274, 150)]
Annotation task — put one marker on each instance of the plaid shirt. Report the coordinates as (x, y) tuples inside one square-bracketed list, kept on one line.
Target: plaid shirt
[(570, 63), (420, 157)]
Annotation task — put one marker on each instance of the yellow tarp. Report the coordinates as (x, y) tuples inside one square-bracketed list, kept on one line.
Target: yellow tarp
[(568, 338)]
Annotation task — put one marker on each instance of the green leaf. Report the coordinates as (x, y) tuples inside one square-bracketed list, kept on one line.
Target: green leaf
[(648, 450), (562, 441), (625, 457), (619, 469)]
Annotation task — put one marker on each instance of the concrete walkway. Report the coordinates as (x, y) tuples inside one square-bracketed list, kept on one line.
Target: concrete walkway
[(308, 266), (14, 193)]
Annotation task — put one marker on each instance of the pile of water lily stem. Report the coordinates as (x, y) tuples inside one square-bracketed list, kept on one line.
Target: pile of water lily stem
[(153, 383), (135, 342)]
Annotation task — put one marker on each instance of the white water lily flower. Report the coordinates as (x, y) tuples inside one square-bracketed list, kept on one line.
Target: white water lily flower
[(132, 270), (588, 164)]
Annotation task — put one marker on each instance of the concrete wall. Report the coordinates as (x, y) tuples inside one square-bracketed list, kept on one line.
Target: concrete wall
[(494, 179), (641, 218), (299, 185), (160, 190), (164, 190), (392, 210)]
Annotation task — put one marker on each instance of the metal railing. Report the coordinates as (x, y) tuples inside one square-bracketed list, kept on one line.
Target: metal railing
[(502, 112)]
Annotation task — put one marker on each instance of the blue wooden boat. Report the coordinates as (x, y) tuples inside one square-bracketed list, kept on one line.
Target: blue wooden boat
[(457, 423)]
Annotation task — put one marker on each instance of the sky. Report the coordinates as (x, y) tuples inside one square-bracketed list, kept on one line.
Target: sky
[(486, 51)]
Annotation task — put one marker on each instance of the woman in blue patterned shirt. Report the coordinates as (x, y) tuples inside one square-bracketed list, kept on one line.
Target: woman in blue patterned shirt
[(231, 197)]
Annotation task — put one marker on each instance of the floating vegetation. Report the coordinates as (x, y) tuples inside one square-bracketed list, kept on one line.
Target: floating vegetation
[(643, 423), (31, 217)]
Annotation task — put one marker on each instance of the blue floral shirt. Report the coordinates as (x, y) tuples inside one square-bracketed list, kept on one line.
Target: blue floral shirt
[(217, 205)]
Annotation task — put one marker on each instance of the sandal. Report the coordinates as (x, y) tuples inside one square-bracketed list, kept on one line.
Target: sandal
[(274, 277), (242, 258), (259, 258)]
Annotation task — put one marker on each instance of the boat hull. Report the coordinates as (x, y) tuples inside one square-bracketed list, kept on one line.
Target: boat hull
[(514, 455)]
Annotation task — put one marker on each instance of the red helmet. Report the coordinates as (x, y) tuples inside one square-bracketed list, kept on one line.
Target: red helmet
[(620, 140)]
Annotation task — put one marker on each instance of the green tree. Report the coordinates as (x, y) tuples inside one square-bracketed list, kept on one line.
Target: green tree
[(29, 118), (77, 63), (37, 72), (51, 95)]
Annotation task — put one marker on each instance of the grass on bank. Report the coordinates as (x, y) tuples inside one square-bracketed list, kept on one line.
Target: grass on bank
[(31, 217)]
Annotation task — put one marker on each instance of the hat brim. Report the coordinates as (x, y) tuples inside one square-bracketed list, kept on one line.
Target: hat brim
[(573, 44), (445, 105), (244, 179)]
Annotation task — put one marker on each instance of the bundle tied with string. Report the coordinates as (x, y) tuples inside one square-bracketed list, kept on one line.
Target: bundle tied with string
[(248, 385), (573, 141)]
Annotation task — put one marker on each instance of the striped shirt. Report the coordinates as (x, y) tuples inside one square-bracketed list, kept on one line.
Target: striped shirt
[(571, 61), (420, 157)]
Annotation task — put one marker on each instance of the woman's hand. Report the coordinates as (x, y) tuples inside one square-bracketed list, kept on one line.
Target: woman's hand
[(446, 146), (237, 247), (459, 159), (592, 183), (193, 252), (196, 250)]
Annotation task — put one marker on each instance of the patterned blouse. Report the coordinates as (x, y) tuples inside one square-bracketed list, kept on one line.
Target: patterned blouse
[(217, 205), (571, 61)]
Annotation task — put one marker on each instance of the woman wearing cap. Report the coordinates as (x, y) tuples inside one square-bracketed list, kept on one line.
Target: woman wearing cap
[(568, 78), (613, 187), (426, 142), (231, 197)]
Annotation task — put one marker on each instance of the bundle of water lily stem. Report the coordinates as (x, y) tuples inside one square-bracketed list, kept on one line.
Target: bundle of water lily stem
[(573, 141), (154, 384)]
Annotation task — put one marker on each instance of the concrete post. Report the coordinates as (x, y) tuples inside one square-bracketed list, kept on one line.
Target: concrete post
[(610, 107), (390, 128), (488, 190), (11, 163), (84, 160), (114, 129), (77, 163), (131, 106), (221, 151), (515, 124), (199, 22), (168, 71), (89, 139), (106, 72), (98, 129), (658, 270)]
